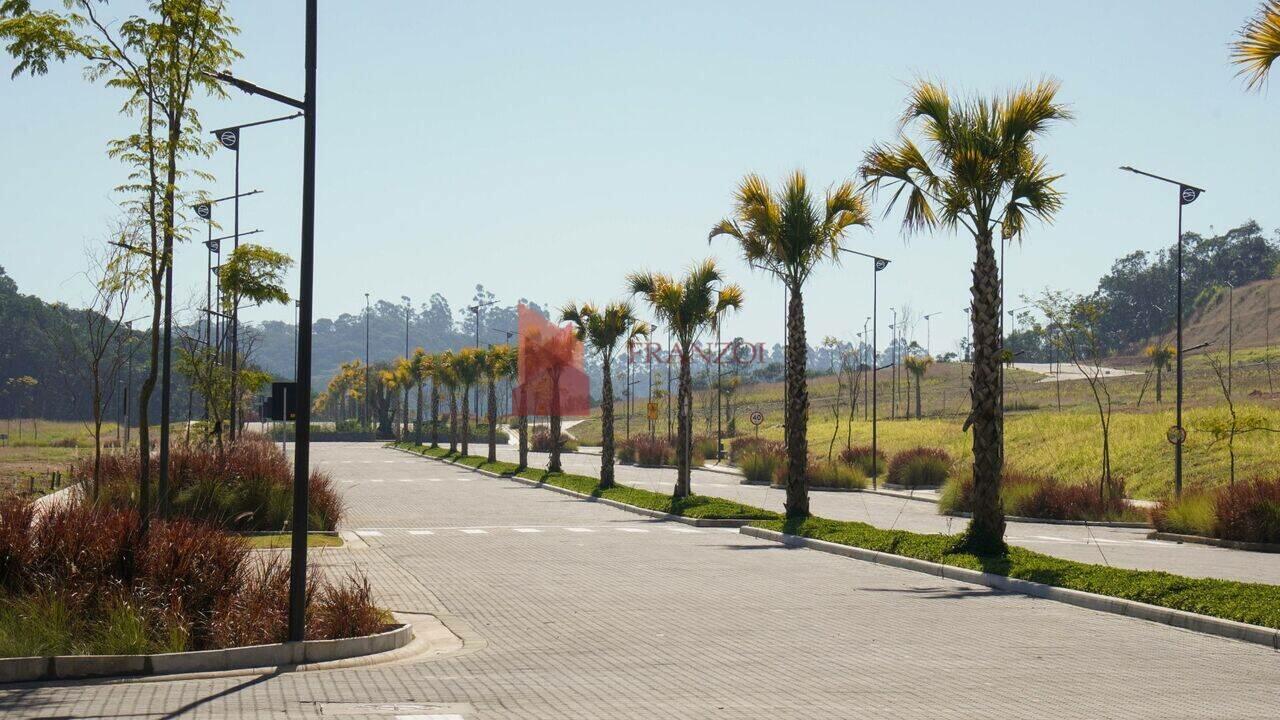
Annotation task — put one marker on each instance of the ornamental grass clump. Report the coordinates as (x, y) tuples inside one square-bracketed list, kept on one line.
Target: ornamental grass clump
[(859, 456), (920, 467), (1244, 511)]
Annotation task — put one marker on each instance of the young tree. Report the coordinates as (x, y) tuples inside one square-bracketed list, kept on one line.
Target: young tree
[(1257, 44), (160, 61), (603, 328), (499, 362), (419, 371), (1077, 320), (981, 172), (252, 274), (789, 234), (686, 305), (1235, 423), (1161, 355), (447, 375), (467, 366)]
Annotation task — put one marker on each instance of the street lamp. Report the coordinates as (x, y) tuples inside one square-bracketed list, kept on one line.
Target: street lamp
[(928, 332), (306, 280), (368, 421), (408, 310), (475, 403), (877, 264), (1187, 194), (229, 138)]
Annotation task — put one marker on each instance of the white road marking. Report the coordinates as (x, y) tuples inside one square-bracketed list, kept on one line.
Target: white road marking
[(527, 530), (421, 532), (368, 533), (633, 530), (683, 530), (458, 479), (450, 716), (579, 530), (475, 531), (428, 479), (401, 479), (377, 480)]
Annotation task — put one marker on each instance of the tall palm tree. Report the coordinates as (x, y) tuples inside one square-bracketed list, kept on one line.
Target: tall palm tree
[(1257, 44), (981, 173), (603, 328), (917, 365), (788, 234), (687, 305), (446, 375), (499, 362), (468, 364), (419, 372), (402, 368), (1161, 355)]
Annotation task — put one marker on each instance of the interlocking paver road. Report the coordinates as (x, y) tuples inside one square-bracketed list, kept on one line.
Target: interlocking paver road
[(576, 610)]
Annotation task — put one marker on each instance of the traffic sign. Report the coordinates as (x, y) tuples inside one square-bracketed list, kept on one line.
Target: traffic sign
[(757, 417)]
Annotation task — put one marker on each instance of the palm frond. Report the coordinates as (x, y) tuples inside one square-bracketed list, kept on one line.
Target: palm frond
[(1258, 45)]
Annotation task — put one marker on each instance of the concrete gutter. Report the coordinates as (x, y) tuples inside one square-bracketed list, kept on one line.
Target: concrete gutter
[(657, 515), (1269, 637), (289, 655), (1217, 542)]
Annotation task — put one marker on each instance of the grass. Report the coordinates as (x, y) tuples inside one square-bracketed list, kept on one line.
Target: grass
[(1252, 603), (694, 506), (274, 541)]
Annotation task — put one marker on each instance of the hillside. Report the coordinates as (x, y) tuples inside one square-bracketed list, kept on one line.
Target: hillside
[(1256, 316)]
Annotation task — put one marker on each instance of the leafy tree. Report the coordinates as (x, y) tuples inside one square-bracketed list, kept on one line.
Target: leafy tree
[(687, 306), (603, 328), (160, 62), (788, 234), (251, 274), (980, 172), (1257, 44)]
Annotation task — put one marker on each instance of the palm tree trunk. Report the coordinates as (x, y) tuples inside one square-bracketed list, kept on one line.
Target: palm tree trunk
[(1158, 373), (684, 424), (466, 420), (919, 380), (417, 425), (453, 421), (493, 420), (435, 414), (554, 464), (986, 529), (797, 391), (522, 429), (606, 424)]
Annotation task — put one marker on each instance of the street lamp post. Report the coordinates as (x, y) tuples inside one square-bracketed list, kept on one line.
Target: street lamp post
[(877, 264), (1187, 194), (229, 137), (476, 309), (306, 280), (928, 332), (408, 309), (367, 420)]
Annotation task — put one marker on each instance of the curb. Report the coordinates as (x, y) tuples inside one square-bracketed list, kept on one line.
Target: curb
[(657, 515), (1268, 637), (1216, 542), (1047, 521), (77, 667)]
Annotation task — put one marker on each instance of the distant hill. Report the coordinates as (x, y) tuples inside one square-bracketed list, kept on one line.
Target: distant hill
[(1256, 316)]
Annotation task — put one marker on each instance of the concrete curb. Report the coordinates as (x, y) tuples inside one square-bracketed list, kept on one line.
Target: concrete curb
[(76, 667), (1216, 542), (1230, 629), (1047, 521), (696, 522)]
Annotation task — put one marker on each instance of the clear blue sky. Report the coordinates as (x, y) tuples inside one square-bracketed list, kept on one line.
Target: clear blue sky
[(545, 149)]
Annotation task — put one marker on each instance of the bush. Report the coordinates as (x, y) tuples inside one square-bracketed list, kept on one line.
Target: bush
[(1033, 496), (763, 464), (920, 467), (82, 579), (1246, 512), (540, 441), (837, 475), (859, 456), (650, 451), (704, 448), (246, 486), (743, 446)]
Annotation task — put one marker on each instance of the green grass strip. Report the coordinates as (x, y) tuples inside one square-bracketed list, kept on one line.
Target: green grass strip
[(693, 506), (1252, 603)]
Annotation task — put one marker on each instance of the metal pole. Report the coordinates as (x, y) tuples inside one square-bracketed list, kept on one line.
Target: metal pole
[(1231, 324), (1177, 448), (302, 433), (719, 389), (235, 309), (875, 362), (404, 424), (162, 486), (368, 421)]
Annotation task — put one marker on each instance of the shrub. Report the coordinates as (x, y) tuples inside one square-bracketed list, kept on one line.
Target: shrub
[(920, 467), (743, 446), (650, 451), (838, 475), (704, 448), (246, 486), (1191, 514), (1025, 495), (859, 456), (540, 441), (762, 464), (1246, 512), (346, 610), (626, 452)]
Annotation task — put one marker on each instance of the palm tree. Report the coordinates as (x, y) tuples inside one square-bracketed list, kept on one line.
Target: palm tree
[(1258, 44), (917, 365), (687, 305), (499, 362), (1161, 355), (402, 369), (469, 362), (603, 328), (788, 234), (420, 368), (980, 172), (446, 375)]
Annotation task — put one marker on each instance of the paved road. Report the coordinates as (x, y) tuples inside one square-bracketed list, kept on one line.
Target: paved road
[(575, 610), (1121, 547)]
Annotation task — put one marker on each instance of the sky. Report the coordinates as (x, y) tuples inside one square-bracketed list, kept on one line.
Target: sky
[(547, 149)]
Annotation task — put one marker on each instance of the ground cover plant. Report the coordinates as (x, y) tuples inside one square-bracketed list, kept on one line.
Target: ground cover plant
[(81, 579)]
